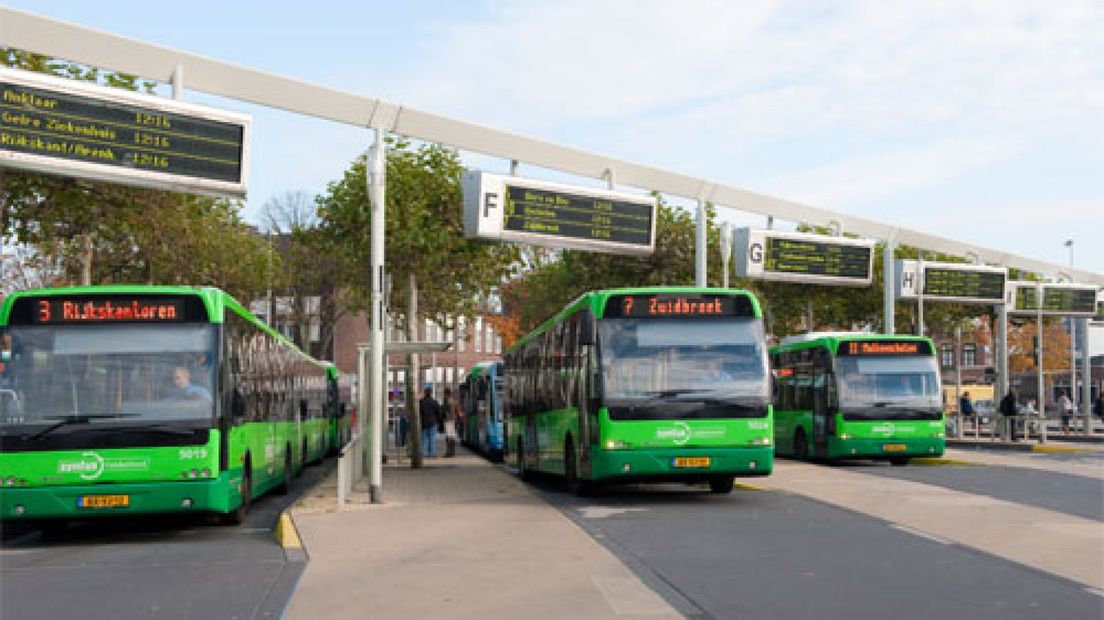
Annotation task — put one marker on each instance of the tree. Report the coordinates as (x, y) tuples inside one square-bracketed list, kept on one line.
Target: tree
[(425, 243)]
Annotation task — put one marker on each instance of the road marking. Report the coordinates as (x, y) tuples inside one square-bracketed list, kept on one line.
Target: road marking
[(1057, 449), (943, 461), (915, 532), (630, 597), (1095, 591), (601, 512), (286, 534), (743, 486)]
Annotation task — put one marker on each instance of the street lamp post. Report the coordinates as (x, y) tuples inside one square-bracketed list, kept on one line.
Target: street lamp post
[(1073, 341)]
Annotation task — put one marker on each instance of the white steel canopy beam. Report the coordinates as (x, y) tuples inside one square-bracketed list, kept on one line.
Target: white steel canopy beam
[(59, 39)]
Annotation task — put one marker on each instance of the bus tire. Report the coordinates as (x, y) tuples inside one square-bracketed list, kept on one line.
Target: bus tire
[(523, 471), (237, 515), (801, 445), (574, 484), (899, 461), (285, 484), (721, 485)]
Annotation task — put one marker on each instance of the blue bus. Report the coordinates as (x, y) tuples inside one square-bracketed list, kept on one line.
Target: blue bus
[(481, 398)]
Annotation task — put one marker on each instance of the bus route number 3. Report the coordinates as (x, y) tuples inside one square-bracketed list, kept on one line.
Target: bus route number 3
[(43, 311)]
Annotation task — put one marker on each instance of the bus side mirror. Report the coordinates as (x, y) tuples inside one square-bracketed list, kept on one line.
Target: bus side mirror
[(587, 328)]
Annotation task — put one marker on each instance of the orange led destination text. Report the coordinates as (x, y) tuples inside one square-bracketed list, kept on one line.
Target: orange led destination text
[(110, 311), (683, 307)]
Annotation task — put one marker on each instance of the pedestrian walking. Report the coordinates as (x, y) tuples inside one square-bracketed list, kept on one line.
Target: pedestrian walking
[(1008, 409), (1065, 408), (430, 416)]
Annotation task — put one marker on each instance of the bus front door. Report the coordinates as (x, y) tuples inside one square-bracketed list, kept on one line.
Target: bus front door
[(820, 414)]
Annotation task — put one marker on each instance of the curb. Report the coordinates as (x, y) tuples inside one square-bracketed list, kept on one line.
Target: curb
[(286, 534)]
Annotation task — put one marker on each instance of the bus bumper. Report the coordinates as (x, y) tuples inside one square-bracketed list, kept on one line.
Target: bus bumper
[(115, 499), (887, 448), (660, 465)]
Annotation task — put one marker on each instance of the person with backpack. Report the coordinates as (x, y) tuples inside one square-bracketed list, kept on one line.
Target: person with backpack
[(431, 417)]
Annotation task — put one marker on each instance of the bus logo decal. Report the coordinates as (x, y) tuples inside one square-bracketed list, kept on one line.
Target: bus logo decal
[(89, 467), (679, 434)]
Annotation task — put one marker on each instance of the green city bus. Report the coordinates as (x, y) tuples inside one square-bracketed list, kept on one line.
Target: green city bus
[(857, 396), (129, 399), (643, 385)]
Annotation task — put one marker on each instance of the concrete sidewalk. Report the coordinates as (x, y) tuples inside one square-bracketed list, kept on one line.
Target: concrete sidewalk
[(460, 538)]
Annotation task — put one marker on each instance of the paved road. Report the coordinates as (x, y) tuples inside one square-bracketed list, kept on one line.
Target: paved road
[(164, 568), (775, 553)]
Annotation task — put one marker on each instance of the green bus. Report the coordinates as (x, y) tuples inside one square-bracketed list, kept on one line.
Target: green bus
[(857, 396), (131, 399), (643, 385)]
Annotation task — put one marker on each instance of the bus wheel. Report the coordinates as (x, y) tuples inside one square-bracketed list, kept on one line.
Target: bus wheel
[(899, 461), (722, 485), (523, 471), (801, 446), (571, 474), (285, 484), (237, 516)]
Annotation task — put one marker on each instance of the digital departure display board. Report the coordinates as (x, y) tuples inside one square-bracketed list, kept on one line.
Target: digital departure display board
[(877, 348), (79, 129), (943, 282), (674, 306), (803, 257), (577, 216), (955, 282), (1058, 299), (507, 208), (85, 309)]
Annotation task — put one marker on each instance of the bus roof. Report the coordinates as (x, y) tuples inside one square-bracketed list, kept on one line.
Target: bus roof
[(215, 300), (596, 302), (833, 339)]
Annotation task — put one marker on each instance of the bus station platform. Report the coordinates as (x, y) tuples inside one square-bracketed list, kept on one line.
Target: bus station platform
[(459, 538)]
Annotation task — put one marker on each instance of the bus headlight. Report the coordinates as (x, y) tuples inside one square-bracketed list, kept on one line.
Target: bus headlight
[(760, 441), (614, 444), (845, 436)]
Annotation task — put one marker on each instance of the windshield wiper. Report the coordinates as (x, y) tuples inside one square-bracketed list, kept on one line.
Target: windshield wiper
[(81, 418), (673, 393)]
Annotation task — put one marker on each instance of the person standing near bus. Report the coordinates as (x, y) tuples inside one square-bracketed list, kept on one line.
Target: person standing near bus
[(431, 417), (451, 408), (1065, 408), (1008, 408)]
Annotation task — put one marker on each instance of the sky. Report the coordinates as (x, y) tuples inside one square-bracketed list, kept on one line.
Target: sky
[(980, 121)]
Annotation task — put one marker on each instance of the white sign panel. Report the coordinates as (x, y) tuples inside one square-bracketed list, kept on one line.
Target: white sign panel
[(81, 129), (513, 209)]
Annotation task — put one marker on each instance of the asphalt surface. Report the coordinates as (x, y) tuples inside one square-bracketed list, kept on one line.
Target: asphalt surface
[(770, 554), (1074, 495), (154, 567)]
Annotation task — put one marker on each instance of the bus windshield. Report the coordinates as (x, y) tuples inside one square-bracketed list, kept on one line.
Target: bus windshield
[(896, 381), (135, 372), (684, 359)]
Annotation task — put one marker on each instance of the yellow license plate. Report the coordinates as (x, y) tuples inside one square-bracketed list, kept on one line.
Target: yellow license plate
[(692, 461), (103, 501), (894, 447)]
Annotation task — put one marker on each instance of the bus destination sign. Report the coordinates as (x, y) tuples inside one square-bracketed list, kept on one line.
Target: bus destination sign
[(1058, 299), (955, 282), (802, 257), (506, 208), (884, 347), (74, 128), (674, 306), (77, 310)]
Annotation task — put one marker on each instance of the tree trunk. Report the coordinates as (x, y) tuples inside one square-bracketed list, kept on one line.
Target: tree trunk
[(86, 259), (412, 378)]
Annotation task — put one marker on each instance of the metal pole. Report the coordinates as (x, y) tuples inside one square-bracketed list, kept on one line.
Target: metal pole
[(178, 83), (414, 379), (1002, 361), (958, 382), (920, 295), (888, 322), (376, 184), (700, 249), (726, 250), (1039, 360), (1086, 379)]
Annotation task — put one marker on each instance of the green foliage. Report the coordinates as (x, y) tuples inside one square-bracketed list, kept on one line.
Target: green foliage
[(424, 236)]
